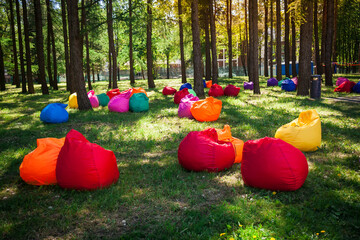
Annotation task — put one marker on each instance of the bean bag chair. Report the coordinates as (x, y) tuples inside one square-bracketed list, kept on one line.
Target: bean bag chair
[(340, 80), (180, 94), (231, 90), (103, 99), (185, 105), (73, 101), (356, 88), (271, 163), (185, 85), (238, 145), (204, 82), (137, 90), (168, 91), (272, 82), (54, 113), (94, 101), (139, 102), (202, 151), (216, 91), (112, 93), (191, 91), (288, 85), (208, 84), (206, 110), (346, 86), (120, 103), (248, 85), (295, 80), (303, 133), (83, 165), (280, 83), (38, 167)]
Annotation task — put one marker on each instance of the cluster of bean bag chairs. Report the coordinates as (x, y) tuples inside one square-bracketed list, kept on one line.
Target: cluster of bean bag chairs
[(73, 103), (208, 83), (341, 80), (168, 91), (304, 133), (271, 82), (180, 94), (54, 113), (288, 85), (216, 91), (345, 86), (185, 106), (248, 86), (94, 101), (206, 110), (135, 100), (231, 90)]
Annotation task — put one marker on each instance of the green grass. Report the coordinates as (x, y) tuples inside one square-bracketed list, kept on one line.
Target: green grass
[(155, 198)]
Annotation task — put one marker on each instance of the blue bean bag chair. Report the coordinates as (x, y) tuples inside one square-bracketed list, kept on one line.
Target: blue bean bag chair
[(356, 88), (54, 113), (139, 102), (288, 85), (185, 85), (204, 83)]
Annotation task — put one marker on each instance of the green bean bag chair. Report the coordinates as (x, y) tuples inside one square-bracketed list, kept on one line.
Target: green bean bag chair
[(103, 99), (139, 102)]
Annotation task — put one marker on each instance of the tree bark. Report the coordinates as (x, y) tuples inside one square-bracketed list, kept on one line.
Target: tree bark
[(254, 41), (229, 32), (110, 69), (287, 44), (293, 47), (306, 29), (266, 58), (215, 69), (48, 44), (69, 82), (88, 74), (40, 47), (207, 46), (329, 42), (271, 38), (93, 72), (2, 70), (181, 33), (21, 49), (316, 39), (16, 80), (278, 41), (27, 48), (131, 60), (323, 37), (76, 55), (54, 58), (334, 54), (111, 44), (246, 39), (168, 65), (149, 54)]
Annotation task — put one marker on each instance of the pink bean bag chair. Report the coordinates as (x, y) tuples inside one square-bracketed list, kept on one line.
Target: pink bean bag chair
[(120, 103), (231, 90), (216, 90), (340, 80), (185, 105), (93, 99)]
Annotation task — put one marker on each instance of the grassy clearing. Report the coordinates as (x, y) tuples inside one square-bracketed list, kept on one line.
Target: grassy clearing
[(155, 198)]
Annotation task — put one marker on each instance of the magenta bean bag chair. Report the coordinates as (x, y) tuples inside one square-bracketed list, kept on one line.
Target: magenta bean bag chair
[(273, 164), (168, 91), (93, 99), (340, 80), (120, 103), (295, 80), (216, 90), (231, 90), (180, 94), (248, 85), (185, 105)]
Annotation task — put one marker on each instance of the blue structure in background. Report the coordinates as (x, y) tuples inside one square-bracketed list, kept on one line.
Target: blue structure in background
[(297, 68)]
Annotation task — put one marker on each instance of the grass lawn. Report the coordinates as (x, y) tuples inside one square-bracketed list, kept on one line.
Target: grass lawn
[(155, 198)]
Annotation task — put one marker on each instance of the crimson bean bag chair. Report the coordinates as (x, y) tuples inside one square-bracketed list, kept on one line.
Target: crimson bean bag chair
[(185, 105), (273, 164), (38, 167), (295, 80), (168, 91), (94, 101), (216, 91), (346, 86), (231, 90), (208, 84), (340, 80), (206, 110), (185, 85), (248, 85), (54, 113), (271, 82), (120, 103), (180, 94), (112, 93), (202, 151), (356, 88), (139, 102), (288, 85), (83, 165), (103, 99)]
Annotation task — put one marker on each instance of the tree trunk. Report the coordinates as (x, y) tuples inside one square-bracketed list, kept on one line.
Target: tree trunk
[(253, 40), (329, 42), (40, 47), (323, 37), (207, 47), (293, 46), (131, 60), (271, 38), (181, 33), (69, 82), (48, 44), (215, 69), (266, 58), (278, 41), (287, 44), (316, 39), (229, 32), (149, 55), (111, 44), (27, 48), (16, 80), (88, 60), (168, 65), (246, 39), (306, 29), (54, 59), (334, 54), (21, 50), (110, 69), (2, 70), (75, 55)]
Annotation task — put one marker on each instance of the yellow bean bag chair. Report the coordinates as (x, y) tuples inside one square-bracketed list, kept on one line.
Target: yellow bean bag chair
[(303, 133), (73, 103)]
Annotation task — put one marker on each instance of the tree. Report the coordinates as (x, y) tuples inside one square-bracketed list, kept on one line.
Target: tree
[(323, 37), (76, 55), (246, 37), (69, 82), (21, 50), (329, 42), (207, 44), (112, 52), (181, 33), (131, 60), (253, 46), (195, 26), (293, 45), (13, 38), (149, 54), (278, 41), (306, 29), (215, 69), (266, 58), (287, 44), (271, 38), (85, 33), (316, 39), (49, 29), (229, 32), (40, 47), (27, 48), (2, 70)]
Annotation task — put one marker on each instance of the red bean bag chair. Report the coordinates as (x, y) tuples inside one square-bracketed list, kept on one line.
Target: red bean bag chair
[(340, 80), (138, 90), (83, 165), (208, 84), (231, 90), (120, 103), (168, 91), (185, 106), (346, 86), (180, 94), (94, 101), (273, 164), (216, 91), (112, 93), (202, 151), (206, 110)]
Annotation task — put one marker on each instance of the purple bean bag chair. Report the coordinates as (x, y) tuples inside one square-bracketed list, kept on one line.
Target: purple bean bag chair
[(272, 82), (93, 99), (295, 80), (185, 105), (120, 103), (248, 85), (340, 80)]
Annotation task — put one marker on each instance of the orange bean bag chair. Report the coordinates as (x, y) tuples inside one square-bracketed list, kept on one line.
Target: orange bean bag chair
[(206, 110), (225, 136), (208, 84), (83, 165), (38, 167), (138, 90)]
